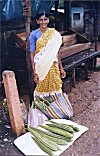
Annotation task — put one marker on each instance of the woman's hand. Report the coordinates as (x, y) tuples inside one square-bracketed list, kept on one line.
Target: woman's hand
[(63, 73), (35, 78)]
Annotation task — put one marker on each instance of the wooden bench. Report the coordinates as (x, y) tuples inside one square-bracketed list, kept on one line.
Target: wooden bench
[(73, 43), (75, 51)]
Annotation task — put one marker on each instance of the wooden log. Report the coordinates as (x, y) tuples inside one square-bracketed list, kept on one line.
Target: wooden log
[(13, 102)]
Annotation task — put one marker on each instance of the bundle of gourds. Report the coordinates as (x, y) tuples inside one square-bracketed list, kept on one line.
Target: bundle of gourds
[(56, 134), (43, 104), (54, 106)]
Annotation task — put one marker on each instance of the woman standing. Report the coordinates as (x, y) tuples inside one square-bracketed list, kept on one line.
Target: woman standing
[(46, 64)]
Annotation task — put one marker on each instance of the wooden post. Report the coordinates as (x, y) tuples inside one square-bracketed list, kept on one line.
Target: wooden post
[(67, 14), (56, 14), (13, 102), (73, 77), (0, 69), (96, 8), (27, 14)]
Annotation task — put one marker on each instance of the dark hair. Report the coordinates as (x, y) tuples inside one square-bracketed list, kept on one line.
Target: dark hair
[(42, 13)]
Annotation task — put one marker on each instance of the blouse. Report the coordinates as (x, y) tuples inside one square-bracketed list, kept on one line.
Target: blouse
[(34, 36)]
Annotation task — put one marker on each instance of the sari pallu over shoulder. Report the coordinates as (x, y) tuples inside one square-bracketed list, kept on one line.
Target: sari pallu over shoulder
[(47, 47)]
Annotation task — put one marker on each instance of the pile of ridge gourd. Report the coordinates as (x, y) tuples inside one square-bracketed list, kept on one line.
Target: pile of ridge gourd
[(56, 134)]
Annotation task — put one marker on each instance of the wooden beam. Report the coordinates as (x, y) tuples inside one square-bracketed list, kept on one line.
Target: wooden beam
[(13, 102)]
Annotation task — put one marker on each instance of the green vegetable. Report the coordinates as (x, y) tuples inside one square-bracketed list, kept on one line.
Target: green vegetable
[(64, 127), (42, 100), (50, 144), (59, 141), (55, 135), (43, 147), (58, 131), (75, 128), (49, 99)]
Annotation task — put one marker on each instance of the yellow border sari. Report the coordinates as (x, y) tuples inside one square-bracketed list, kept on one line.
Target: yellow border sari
[(49, 86), (46, 65)]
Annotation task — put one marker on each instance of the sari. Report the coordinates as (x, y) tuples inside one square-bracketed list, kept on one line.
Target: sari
[(46, 65)]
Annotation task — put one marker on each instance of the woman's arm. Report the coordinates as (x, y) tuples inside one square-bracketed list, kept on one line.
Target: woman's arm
[(32, 62), (63, 73), (34, 75)]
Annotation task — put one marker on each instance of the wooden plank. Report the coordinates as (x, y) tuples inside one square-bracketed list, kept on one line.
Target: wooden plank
[(69, 43), (20, 39), (76, 62), (67, 51), (67, 38), (22, 36)]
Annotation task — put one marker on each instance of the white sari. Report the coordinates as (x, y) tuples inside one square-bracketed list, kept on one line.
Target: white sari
[(48, 53)]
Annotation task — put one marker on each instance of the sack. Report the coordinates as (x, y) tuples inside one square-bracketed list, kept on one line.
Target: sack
[(35, 117), (58, 107)]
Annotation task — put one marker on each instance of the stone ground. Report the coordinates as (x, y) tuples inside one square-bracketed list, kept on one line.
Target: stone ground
[(85, 98)]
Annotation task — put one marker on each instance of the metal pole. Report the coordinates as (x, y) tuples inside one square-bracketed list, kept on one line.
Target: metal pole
[(27, 14)]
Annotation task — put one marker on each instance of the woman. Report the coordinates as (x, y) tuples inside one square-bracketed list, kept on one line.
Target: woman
[(46, 64)]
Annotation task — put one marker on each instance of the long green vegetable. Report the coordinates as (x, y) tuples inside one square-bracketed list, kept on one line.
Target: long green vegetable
[(43, 147), (65, 125), (50, 144), (59, 141), (58, 131)]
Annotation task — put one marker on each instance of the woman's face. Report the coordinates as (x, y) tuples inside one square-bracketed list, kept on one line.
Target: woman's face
[(43, 21)]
